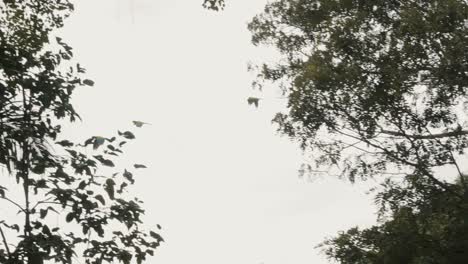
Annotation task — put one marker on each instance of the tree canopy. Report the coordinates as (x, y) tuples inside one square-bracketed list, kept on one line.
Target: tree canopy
[(419, 223), (387, 79), (78, 182), (379, 88)]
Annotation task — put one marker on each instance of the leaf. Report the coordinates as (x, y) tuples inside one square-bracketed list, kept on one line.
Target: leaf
[(122, 187), (14, 227), (80, 69), (43, 213), (158, 226), (109, 187), (98, 141), (46, 230), (128, 135), (88, 82), (89, 141), (105, 162), (2, 191), (100, 199), (69, 217), (139, 123), (111, 147), (82, 185), (156, 236), (65, 143), (253, 101), (129, 176), (39, 168), (52, 209), (139, 166)]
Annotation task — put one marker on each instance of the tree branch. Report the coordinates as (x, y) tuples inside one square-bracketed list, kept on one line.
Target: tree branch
[(13, 202), (462, 177), (417, 166), (5, 242), (48, 202), (430, 136)]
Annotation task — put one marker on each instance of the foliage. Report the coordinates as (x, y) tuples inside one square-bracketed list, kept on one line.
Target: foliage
[(421, 224), (378, 88), (372, 86), (77, 182), (215, 5)]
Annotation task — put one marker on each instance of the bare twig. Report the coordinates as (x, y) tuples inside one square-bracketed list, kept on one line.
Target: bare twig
[(5, 242), (13, 202)]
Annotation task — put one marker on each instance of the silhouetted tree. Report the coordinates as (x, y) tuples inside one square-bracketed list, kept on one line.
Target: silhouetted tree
[(419, 223), (378, 88), (77, 182)]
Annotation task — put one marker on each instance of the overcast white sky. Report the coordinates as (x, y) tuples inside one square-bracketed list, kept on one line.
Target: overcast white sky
[(222, 184)]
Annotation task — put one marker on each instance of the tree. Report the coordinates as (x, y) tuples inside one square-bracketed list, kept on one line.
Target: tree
[(372, 86), (376, 88), (420, 223), (51, 174)]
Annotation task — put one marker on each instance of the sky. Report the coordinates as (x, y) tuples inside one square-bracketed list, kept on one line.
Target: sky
[(220, 181)]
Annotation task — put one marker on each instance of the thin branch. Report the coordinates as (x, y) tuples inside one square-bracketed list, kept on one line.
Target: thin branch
[(462, 177), (13, 202), (415, 165), (41, 202), (430, 136), (48, 202), (5, 242), (354, 145)]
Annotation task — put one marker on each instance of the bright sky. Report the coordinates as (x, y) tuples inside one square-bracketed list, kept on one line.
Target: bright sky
[(222, 184)]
